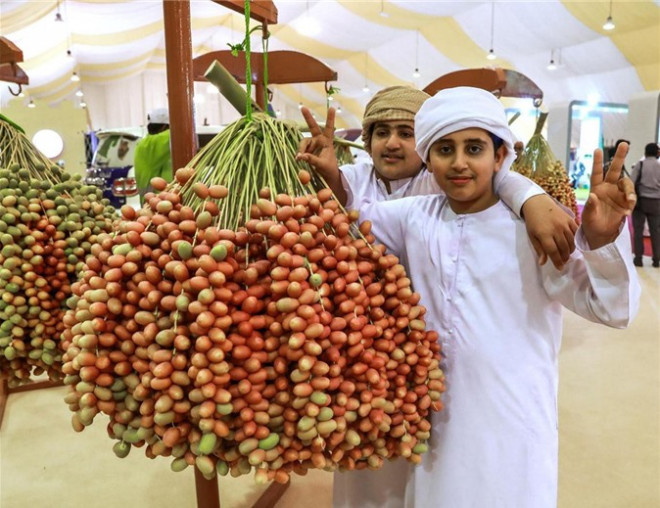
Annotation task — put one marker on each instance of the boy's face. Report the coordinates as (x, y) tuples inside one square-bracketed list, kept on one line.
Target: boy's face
[(463, 163), (393, 149)]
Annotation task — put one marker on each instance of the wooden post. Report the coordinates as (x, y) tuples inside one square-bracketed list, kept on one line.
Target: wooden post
[(180, 91), (178, 55), (207, 492)]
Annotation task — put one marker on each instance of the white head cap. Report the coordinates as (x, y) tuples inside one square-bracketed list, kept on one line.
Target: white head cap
[(159, 115), (462, 107)]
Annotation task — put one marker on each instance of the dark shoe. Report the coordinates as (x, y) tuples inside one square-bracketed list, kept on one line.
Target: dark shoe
[(656, 264), (638, 262)]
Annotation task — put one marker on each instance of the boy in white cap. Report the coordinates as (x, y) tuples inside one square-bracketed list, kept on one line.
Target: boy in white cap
[(153, 156), (395, 170), (498, 313)]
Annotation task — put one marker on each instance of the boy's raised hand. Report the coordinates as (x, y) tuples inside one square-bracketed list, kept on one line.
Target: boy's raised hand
[(611, 199), (318, 150)]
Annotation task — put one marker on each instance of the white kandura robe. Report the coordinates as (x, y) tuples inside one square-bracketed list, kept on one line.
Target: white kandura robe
[(362, 186), (499, 316)]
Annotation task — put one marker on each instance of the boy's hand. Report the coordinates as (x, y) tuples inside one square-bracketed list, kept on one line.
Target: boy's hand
[(551, 230), (611, 199), (319, 151)]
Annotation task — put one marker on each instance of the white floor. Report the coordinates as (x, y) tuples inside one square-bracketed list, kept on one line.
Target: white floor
[(609, 453)]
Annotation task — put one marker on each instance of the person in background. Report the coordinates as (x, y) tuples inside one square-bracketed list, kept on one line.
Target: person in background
[(646, 175), (395, 170), (153, 156), (610, 157), (498, 313), (518, 147)]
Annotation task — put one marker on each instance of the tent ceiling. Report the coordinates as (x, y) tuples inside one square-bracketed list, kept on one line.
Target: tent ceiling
[(369, 43)]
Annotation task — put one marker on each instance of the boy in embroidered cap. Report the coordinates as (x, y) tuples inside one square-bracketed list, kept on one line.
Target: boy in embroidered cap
[(498, 313), (395, 170)]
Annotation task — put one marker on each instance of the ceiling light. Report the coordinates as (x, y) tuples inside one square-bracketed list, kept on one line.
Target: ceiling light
[(491, 54), (83, 104), (74, 77), (365, 88), (416, 73), (21, 94), (300, 105), (330, 98), (278, 113), (307, 25), (552, 66), (609, 24), (382, 10), (58, 15), (338, 109), (79, 93), (31, 104)]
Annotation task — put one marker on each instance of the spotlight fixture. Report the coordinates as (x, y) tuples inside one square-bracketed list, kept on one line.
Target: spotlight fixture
[(74, 77), (300, 105), (79, 93), (552, 66), (609, 23), (31, 104), (58, 14), (338, 110), (307, 25), (83, 104), (416, 73), (365, 88), (382, 10), (278, 113), (491, 53)]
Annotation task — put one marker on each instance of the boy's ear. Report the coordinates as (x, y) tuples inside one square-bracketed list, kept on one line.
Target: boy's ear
[(500, 155)]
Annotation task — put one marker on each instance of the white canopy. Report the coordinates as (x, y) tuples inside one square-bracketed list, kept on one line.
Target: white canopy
[(117, 49)]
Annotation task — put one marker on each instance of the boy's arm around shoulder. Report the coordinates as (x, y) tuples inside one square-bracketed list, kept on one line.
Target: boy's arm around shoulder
[(550, 227), (388, 221)]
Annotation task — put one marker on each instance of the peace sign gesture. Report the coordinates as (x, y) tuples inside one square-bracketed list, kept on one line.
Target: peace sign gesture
[(319, 151), (611, 199)]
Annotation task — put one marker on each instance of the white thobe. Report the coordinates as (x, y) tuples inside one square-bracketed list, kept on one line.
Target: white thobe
[(362, 186), (499, 316)]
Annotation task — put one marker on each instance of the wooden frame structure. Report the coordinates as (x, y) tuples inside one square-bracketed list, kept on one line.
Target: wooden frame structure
[(501, 82), (10, 71)]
